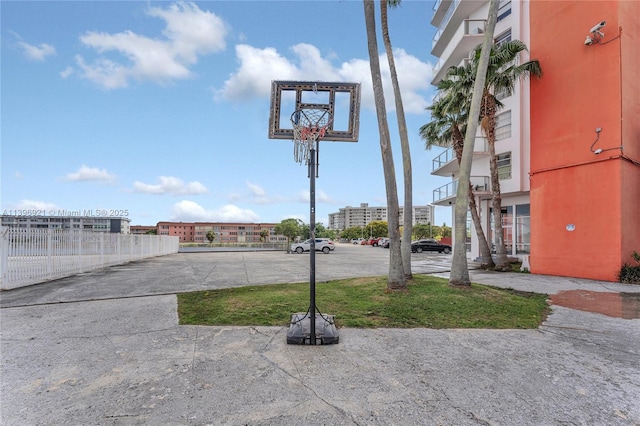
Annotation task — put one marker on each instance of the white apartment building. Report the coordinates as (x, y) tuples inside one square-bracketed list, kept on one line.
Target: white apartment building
[(117, 225), (460, 29), (348, 216)]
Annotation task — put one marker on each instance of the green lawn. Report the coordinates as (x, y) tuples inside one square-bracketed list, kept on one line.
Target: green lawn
[(363, 303)]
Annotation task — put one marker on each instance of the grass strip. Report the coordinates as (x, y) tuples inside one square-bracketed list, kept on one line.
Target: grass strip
[(429, 302)]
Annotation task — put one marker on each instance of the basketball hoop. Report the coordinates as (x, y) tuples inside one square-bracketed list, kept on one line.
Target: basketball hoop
[(309, 126)]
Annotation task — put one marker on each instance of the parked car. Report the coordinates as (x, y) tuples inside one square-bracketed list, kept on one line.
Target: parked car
[(324, 245), (383, 242), (357, 240), (429, 244), (374, 242)]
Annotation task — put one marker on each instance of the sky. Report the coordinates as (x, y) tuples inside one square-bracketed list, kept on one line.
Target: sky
[(159, 111)]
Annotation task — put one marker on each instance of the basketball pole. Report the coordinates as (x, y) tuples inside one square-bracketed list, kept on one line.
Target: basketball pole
[(312, 248)]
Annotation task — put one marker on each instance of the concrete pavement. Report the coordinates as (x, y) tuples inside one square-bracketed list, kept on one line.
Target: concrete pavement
[(105, 348)]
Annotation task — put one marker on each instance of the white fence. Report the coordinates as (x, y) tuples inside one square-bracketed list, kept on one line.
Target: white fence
[(30, 256)]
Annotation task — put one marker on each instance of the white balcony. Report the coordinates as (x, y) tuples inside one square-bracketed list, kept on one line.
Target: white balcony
[(457, 12), (467, 36), (440, 8), (446, 164), (446, 194)]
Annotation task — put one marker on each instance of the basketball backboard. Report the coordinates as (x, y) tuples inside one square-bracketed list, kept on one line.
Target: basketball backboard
[(341, 100)]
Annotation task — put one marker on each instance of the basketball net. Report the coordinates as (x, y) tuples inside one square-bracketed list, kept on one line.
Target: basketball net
[(309, 126)]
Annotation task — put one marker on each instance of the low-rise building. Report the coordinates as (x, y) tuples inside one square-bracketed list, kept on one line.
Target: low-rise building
[(115, 225), (142, 229), (196, 232)]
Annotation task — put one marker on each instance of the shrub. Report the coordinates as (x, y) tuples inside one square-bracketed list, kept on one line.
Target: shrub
[(630, 274)]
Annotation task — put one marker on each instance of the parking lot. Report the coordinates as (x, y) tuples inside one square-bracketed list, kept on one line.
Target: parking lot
[(184, 272), (105, 348)]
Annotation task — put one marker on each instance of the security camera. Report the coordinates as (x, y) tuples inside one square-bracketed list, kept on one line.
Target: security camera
[(598, 26)]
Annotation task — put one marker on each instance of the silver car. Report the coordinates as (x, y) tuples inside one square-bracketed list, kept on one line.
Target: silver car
[(324, 245)]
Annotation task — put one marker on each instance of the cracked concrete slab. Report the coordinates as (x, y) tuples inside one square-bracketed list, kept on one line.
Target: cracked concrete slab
[(126, 361)]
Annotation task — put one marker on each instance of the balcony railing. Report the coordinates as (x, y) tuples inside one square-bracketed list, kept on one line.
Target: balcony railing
[(465, 38), (445, 191), (444, 158), (479, 147), (479, 184), (445, 21), (474, 26)]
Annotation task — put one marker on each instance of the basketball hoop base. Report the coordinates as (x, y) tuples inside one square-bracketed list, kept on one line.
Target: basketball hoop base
[(300, 330)]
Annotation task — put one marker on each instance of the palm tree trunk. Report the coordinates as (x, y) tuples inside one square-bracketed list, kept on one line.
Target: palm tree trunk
[(485, 251), (486, 259), (407, 224), (459, 268), (396, 279), (489, 125)]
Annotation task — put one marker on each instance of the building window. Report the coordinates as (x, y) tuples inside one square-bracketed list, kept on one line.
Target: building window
[(504, 9), (504, 165), (503, 125), (523, 229), (503, 38), (507, 229)]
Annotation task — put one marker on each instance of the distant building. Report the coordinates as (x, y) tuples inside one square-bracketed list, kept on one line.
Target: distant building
[(114, 225), (196, 232), (184, 230), (348, 216), (142, 229)]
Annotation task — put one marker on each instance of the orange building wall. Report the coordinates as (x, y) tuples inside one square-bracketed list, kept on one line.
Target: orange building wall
[(584, 88), (629, 13)]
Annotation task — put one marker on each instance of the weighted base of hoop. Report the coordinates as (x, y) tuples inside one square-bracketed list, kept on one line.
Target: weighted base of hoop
[(300, 330)]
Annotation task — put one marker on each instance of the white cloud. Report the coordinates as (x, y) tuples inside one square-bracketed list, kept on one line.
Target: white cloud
[(188, 211), (258, 67), (302, 217), (259, 195), (321, 197), (256, 190), (35, 205), (170, 185), (256, 195), (85, 174), (188, 34), (37, 53), (414, 78), (67, 72)]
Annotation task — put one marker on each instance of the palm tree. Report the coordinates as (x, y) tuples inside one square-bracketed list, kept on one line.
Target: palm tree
[(459, 275), (396, 279), (503, 73), (501, 77), (407, 224), (449, 117)]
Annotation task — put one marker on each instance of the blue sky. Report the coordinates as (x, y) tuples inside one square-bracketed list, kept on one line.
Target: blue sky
[(161, 109)]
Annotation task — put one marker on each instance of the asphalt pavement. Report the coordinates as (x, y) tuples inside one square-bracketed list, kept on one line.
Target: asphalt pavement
[(105, 348)]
